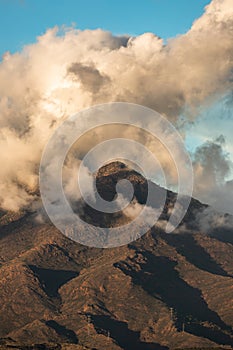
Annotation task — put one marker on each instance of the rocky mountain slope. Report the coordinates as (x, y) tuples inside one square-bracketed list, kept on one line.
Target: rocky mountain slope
[(163, 291)]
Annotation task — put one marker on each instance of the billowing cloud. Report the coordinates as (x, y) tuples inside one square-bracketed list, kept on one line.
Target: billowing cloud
[(212, 166), (90, 77), (62, 74)]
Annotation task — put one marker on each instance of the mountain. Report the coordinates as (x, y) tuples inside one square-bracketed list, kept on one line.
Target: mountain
[(162, 291)]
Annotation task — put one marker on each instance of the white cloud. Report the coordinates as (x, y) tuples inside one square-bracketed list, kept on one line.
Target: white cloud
[(60, 75)]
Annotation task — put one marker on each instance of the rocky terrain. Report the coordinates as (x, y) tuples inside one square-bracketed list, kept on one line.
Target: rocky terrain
[(163, 291)]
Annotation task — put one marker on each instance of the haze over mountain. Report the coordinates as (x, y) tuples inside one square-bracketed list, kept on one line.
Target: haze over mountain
[(162, 291)]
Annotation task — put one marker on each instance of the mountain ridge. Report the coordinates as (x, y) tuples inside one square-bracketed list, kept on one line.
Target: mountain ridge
[(162, 291)]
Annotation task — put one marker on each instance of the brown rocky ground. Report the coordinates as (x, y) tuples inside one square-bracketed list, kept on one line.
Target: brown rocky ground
[(163, 291)]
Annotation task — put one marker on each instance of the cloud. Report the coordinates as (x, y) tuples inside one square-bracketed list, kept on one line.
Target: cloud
[(90, 77), (209, 221), (62, 74), (212, 166)]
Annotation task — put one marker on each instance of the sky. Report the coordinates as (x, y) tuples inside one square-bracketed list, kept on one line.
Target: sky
[(59, 57), (22, 21)]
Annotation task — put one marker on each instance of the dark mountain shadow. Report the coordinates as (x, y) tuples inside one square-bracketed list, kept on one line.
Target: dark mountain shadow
[(67, 334), (45, 346), (194, 253), (52, 280), (224, 235), (160, 279), (119, 331), (10, 228)]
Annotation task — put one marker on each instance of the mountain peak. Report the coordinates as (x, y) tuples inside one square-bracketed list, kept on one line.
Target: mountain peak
[(159, 292), (111, 168)]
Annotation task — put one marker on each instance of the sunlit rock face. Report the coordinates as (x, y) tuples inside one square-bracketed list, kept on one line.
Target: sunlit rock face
[(161, 291)]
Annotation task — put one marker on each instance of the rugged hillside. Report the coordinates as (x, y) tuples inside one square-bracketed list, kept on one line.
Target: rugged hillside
[(163, 291)]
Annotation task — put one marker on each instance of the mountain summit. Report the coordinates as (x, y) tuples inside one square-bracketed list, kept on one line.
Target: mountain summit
[(162, 291)]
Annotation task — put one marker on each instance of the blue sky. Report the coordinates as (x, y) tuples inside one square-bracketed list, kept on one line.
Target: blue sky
[(21, 21)]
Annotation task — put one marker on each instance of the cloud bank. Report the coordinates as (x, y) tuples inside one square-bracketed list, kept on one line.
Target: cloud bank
[(63, 73)]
